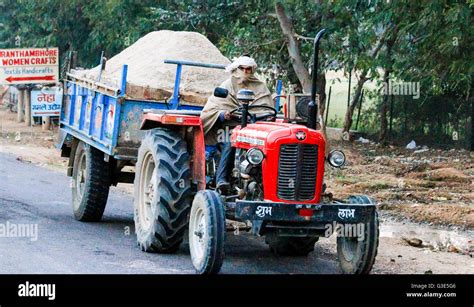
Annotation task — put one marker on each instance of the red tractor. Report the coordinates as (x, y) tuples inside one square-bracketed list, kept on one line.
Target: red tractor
[(277, 188)]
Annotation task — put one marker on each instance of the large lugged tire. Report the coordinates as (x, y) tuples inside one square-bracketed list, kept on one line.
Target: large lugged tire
[(207, 232), (358, 257), (162, 191), (290, 246), (90, 183)]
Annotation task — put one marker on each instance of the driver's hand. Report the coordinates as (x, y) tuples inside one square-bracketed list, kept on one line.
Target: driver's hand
[(227, 115)]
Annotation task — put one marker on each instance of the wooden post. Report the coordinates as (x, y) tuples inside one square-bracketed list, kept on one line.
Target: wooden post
[(472, 127), (28, 107), (73, 60), (46, 120), (21, 96), (349, 89), (391, 118), (327, 107), (360, 107)]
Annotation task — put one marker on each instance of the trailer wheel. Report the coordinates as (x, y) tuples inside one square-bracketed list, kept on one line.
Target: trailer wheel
[(207, 232), (162, 190), (358, 256), (90, 183), (290, 246)]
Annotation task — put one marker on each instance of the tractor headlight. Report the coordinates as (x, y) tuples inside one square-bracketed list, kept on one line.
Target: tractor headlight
[(336, 158), (255, 156)]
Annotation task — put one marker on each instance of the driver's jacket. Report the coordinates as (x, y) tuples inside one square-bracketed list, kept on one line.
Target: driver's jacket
[(215, 130)]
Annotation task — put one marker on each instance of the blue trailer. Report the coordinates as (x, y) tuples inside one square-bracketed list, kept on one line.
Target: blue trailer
[(100, 132), (103, 117)]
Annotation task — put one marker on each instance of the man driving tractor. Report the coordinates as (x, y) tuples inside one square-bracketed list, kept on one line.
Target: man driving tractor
[(216, 114)]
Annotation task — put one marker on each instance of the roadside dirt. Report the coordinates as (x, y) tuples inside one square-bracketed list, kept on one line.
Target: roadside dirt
[(29, 144), (441, 251), (425, 185), (425, 199)]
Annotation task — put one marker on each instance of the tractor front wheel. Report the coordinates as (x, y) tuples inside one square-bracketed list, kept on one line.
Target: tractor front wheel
[(207, 232), (357, 255)]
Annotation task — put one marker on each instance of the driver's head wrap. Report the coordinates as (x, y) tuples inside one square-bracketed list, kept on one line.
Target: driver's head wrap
[(241, 61), (240, 76)]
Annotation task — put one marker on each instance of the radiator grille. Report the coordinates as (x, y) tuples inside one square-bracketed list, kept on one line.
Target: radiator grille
[(297, 168)]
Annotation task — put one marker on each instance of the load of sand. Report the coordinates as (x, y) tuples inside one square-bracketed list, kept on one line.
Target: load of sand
[(149, 78)]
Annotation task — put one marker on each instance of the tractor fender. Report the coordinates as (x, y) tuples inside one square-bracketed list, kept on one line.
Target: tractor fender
[(191, 127)]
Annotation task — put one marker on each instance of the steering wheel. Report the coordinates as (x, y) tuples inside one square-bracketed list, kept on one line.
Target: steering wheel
[(237, 113)]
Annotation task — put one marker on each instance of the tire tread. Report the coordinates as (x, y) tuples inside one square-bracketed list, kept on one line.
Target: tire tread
[(96, 190), (172, 165)]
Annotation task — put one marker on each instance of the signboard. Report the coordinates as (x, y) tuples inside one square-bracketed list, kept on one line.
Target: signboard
[(46, 102), (29, 66)]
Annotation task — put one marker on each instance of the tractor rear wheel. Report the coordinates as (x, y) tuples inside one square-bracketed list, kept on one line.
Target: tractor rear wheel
[(358, 256), (290, 246), (207, 232), (90, 183), (162, 191)]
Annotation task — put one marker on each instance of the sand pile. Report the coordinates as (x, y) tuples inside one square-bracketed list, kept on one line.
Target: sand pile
[(150, 78)]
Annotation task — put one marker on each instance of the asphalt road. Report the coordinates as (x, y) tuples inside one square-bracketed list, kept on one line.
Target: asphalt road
[(32, 195)]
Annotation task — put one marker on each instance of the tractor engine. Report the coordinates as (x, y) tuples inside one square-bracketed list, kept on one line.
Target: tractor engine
[(279, 162)]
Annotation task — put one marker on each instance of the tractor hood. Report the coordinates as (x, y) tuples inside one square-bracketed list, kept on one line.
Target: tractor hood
[(288, 149), (265, 135)]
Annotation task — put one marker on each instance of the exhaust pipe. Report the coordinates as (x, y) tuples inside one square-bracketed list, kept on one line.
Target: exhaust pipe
[(313, 105)]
